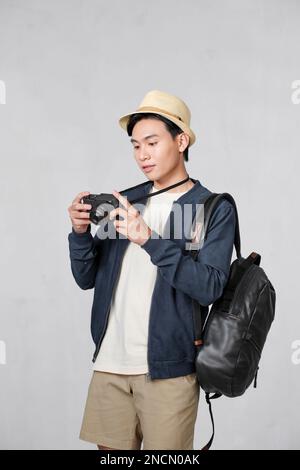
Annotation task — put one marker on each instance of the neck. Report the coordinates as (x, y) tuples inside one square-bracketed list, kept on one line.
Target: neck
[(172, 178)]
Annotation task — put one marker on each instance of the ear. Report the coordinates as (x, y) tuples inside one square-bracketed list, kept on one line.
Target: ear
[(183, 141)]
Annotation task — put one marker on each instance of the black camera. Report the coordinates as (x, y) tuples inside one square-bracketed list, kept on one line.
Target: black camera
[(102, 204)]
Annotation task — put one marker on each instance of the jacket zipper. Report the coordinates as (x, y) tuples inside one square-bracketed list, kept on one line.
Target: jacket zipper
[(148, 375), (107, 314), (100, 340)]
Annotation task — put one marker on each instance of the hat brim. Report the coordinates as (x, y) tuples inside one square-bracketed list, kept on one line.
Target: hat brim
[(123, 121)]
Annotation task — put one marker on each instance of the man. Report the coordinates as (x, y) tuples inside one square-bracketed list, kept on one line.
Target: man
[(144, 389)]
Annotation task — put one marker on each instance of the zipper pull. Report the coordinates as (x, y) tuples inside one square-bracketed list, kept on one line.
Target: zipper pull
[(255, 378)]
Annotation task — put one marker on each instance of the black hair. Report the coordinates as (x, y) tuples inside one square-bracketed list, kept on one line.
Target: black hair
[(170, 126)]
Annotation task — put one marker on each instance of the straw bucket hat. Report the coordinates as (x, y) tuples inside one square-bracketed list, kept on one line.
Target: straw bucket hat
[(169, 106)]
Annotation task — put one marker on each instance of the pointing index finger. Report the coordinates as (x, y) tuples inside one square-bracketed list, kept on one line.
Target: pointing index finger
[(122, 199)]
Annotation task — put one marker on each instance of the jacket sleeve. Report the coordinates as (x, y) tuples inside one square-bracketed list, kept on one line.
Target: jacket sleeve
[(84, 257), (205, 277)]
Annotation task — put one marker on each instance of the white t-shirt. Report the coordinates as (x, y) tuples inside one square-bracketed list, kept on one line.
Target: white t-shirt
[(124, 346)]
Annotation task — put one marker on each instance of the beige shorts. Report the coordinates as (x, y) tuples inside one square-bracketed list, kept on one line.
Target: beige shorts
[(125, 411)]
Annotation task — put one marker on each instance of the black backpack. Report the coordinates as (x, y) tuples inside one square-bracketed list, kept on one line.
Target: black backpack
[(229, 338)]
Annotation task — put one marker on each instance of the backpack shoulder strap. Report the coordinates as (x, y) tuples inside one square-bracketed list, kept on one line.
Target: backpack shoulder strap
[(210, 204)]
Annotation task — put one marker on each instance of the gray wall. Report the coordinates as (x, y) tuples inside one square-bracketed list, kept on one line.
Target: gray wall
[(69, 70)]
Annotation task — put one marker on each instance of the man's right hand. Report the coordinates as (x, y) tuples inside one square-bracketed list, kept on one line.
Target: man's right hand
[(78, 213)]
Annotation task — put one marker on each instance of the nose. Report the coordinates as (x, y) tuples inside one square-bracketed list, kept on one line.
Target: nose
[(144, 156), (142, 152)]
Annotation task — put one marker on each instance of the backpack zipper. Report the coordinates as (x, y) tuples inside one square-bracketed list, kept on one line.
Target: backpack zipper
[(242, 286), (253, 342)]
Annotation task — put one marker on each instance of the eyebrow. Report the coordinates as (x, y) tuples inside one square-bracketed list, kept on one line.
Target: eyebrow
[(145, 138)]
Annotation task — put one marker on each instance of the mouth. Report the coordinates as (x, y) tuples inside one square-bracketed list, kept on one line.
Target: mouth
[(148, 168)]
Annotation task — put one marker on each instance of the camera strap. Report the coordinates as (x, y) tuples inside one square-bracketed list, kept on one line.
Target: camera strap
[(156, 192)]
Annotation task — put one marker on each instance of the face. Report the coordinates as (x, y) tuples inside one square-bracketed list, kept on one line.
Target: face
[(153, 145)]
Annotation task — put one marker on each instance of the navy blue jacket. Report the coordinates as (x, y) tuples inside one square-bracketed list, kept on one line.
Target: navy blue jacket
[(95, 263)]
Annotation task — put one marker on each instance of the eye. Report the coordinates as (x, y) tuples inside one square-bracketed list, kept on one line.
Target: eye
[(150, 143)]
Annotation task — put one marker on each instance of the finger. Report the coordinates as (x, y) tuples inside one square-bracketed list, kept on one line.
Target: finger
[(79, 206), (80, 195), (81, 222), (120, 223), (129, 207), (122, 231), (118, 211), (134, 212), (122, 200), (80, 215)]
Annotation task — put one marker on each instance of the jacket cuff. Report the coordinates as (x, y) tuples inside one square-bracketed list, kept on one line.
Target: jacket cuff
[(81, 236), (154, 246)]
